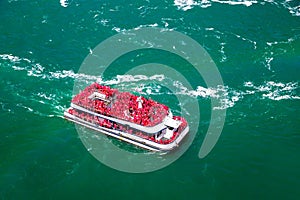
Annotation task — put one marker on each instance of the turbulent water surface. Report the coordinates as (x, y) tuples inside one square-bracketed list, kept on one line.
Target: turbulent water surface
[(255, 45)]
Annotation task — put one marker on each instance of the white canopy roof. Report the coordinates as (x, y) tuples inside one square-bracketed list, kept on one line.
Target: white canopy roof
[(168, 121), (98, 95)]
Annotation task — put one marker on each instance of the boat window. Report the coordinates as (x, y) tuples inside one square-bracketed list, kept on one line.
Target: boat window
[(170, 128)]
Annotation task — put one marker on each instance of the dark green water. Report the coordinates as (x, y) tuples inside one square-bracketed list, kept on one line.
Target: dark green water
[(256, 47)]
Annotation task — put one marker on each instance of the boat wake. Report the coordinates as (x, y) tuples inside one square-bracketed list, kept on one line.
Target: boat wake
[(291, 5), (50, 94)]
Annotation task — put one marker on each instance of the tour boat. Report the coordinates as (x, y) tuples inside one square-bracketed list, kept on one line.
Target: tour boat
[(134, 119)]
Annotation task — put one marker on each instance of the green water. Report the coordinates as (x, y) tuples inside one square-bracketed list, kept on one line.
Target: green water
[(256, 47)]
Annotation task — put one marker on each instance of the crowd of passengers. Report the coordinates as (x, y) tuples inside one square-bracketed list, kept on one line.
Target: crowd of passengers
[(122, 105), (112, 125)]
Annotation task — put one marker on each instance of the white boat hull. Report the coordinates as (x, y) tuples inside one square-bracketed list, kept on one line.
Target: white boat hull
[(127, 137)]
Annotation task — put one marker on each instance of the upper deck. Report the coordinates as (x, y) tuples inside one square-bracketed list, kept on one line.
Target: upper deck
[(121, 105)]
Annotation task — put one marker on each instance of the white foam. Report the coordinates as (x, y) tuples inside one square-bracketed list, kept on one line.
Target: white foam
[(10, 57), (185, 4), (46, 96), (205, 4), (131, 78), (223, 55), (227, 96), (23, 106), (293, 9), (148, 91), (37, 70), (117, 29), (64, 3), (24, 64), (287, 41), (104, 22), (18, 68), (189, 4), (276, 90), (246, 39), (246, 3), (206, 92), (248, 84), (268, 62), (292, 6)]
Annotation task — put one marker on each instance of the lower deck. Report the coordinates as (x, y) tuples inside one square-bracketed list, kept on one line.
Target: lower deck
[(128, 135)]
